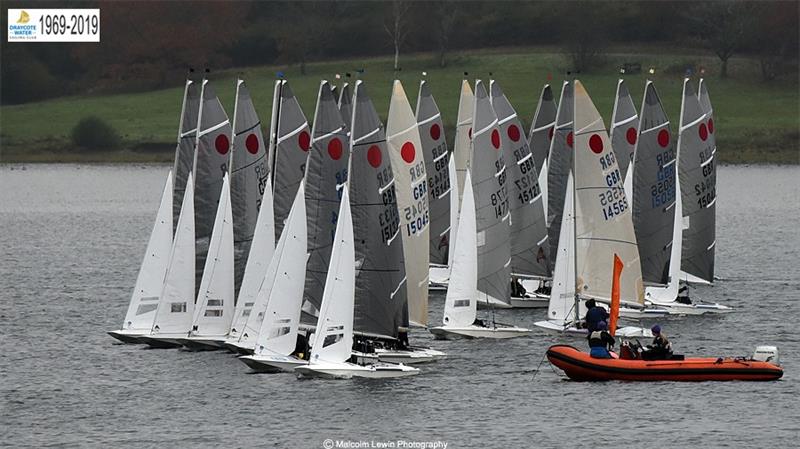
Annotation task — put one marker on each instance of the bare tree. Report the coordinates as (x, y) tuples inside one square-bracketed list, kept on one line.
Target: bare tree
[(723, 26), (586, 40), (447, 15), (396, 27)]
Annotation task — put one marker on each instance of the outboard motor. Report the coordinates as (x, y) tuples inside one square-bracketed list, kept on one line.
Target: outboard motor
[(767, 354)]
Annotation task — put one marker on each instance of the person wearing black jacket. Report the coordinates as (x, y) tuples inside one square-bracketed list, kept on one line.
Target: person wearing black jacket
[(594, 315), (600, 342)]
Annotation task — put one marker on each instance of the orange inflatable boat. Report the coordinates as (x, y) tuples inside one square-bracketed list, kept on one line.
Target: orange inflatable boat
[(578, 365)]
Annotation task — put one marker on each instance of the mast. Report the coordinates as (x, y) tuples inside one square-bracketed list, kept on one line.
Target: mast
[(575, 222)]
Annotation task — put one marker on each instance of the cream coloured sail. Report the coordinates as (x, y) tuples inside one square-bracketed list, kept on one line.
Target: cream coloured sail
[(408, 166), (604, 224)]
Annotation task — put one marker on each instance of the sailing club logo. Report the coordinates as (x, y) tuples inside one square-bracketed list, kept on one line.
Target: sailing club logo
[(21, 28)]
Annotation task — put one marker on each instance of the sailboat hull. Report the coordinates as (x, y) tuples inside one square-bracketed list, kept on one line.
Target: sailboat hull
[(163, 341), (448, 332), (492, 303), (345, 370), (241, 348), (415, 355), (676, 308), (128, 336), (213, 343), (580, 366), (438, 277), (554, 327), (272, 363), (530, 302), (647, 312)]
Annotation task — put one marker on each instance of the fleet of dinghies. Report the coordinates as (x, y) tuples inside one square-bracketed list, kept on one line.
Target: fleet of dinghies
[(313, 251)]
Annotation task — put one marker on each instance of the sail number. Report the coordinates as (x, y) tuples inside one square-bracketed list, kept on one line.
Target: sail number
[(613, 202), (527, 185)]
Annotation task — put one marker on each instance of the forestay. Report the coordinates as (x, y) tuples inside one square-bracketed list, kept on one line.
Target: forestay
[(460, 307), (559, 164), (654, 176), (698, 175), (211, 164), (490, 173), (434, 150), (213, 310), (292, 142), (249, 173), (529, 247), (624, 126), (184, 150), (326, 172), (604, 224), (411, 188), (380, 283), (144, 300)]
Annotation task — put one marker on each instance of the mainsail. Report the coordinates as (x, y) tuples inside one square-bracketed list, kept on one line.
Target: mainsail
[(604, 225), (529, 248), (434, 149), (543, 127), (184, 150), (144, 300), (325, 173), (654, 189), (292, 142), (461, 147), (489, 171), (346, 104), (624, 123), (249, 173), (176, 301), (380, 281), (211, 163), (559, 164), (411, 188), (213, 310), (698, 177)]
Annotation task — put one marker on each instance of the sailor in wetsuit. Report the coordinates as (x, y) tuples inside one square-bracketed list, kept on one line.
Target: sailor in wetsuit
[(594, 315), (600, 342)]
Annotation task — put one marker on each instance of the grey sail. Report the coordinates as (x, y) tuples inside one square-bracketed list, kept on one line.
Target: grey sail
[(380, 277), (184, 151), (346, 104), (559, 164), (249, 174), (624, 125), (292, 142), (698, 177), (434, 149), (489, 176), (654, 176), (211, 163), (326, 172), (334, 90), (542, 127), (529, 247)]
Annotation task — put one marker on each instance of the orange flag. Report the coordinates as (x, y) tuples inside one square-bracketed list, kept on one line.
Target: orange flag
[(612, 325)]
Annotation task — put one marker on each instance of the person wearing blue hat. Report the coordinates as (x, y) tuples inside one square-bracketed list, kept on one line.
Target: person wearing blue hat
[(600, 342), (661, 348)]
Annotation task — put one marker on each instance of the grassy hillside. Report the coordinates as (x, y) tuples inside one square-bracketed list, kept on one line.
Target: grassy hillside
[(756, 122)]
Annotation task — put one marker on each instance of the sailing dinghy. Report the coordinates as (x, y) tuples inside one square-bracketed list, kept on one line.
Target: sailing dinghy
[(276, 346), (175, 309), (624, 129), (214, 306), (461, 303), (529, 247), (596, 227), (144, 300), (333, 340)]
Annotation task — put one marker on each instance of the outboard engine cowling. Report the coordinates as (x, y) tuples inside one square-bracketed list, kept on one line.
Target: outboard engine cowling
[(767, 354)]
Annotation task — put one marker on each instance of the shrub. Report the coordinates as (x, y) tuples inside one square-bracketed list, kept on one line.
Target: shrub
[(93, 133)]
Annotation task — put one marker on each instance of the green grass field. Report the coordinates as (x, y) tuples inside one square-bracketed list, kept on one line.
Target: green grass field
[(756, 122)]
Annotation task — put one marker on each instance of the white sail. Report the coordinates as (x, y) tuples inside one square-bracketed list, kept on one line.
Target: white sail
[(284, 290), (460, 307), (462, 149), (144, 301), (261, 251), (408, 166), (176, 302), (214, 307), (454, 196), (333, 340), (562, 294), (604, 224)]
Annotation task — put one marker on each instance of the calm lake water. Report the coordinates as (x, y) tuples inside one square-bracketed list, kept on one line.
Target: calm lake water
[(71, 241)]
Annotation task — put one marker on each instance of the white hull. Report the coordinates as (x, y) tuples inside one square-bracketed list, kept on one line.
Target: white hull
[(530, 302), (345, 370), (415, 355), (558, 328), (238, 347), (164, 340), (272, 363), (676, 308), (647, 312), (205, 343), (129, 336), (446, 332), (438, 277)]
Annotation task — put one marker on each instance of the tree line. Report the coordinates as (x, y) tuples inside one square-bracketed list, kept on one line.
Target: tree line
[(149, 45)]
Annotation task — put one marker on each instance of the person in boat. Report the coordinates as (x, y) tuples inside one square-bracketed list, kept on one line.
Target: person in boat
[(601, 342), (683, 295), (479, 322), (594, 315), (517, 290), (660, 349)]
